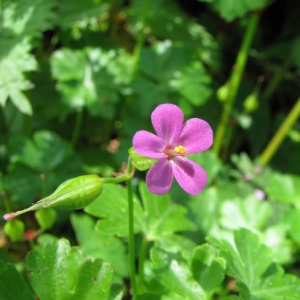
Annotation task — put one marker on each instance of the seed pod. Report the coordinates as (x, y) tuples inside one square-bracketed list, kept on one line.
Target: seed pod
[(74, 193)]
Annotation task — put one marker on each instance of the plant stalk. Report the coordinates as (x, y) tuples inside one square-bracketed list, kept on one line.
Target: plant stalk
[(142, 256), (141, 35), (235, 81), (131, 238), (77, 127), (279, 136)]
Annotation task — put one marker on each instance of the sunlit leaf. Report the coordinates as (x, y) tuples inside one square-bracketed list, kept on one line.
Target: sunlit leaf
[(284, 188), (175, 274), (248, 213), (71, 12), (175, 24), (28, 17), (59, 272), (112, 209), (12, 67), (162, 217), (250, 262), (247, 259), (91, 78), (208, 269), (193, 84), (231, 9), (95, 244)]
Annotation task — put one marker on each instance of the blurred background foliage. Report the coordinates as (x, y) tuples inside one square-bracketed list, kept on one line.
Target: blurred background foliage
[(79, 78)]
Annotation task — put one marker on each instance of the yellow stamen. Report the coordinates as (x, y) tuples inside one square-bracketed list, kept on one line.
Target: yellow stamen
[(180, 150)]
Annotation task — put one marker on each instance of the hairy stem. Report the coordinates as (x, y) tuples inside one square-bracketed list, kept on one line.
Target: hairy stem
[(279, 136)]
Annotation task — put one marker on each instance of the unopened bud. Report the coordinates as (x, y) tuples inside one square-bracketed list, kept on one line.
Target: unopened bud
[(14, 229), (251, 102), (222, 92)]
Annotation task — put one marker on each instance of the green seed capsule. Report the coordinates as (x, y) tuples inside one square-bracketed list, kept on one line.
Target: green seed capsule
[(74, 193)]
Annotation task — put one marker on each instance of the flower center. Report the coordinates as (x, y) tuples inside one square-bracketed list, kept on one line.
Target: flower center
[(177, 150), (180, 150)]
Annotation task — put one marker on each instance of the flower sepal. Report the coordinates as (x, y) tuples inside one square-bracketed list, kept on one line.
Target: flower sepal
[(141, 162)]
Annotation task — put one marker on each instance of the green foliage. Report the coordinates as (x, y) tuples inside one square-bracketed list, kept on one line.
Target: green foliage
[(208, 269), (78, 79), (35, 164), (162, 217), (174, 273), (9, 279), (70, 277), (91, 78), (12, 68), (45, 218), (230, 9), (95, 244), (171, 67), (261, 278), (112, 209), (21, 20)]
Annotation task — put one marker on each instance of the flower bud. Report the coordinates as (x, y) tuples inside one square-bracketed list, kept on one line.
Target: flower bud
[(14, 229), (222, 92), (251, 102), (74, 193)]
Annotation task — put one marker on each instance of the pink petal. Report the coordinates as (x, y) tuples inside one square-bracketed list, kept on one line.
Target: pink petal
[(196, 136), (148, 144), (160, 177), (190, 176), (167, 121)]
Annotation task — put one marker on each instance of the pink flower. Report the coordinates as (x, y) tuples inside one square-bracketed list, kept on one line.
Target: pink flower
[(174, 140)]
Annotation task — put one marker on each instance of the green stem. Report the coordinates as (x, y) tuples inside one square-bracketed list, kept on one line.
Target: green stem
[(6, 202), (142, 256), (113, 11), (77, 127), (131, 235), (276, 78), (279, 136), (141, 35), (235, 81)]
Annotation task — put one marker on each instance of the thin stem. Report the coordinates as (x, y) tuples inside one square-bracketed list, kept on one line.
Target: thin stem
[(77, 127), (277, 77), (142, 256), (6, 202), (131, 237), (235, 81), (279, 136), (113, 11), (141, 35)]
